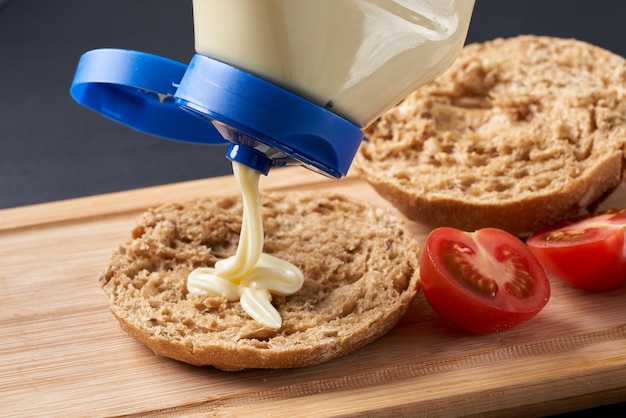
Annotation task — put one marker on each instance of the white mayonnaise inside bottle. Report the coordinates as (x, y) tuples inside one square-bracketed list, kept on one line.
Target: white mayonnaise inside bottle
[(356, 58)]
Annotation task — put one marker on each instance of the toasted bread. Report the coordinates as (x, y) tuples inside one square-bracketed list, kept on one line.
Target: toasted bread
[(360, 274), (518, 134)]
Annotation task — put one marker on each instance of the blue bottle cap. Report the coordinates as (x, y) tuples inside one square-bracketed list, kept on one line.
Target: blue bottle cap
[(255, 113), (211, 102)]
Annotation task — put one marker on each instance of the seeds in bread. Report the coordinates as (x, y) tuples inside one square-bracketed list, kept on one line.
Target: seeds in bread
[(519, 133), (359, 264)]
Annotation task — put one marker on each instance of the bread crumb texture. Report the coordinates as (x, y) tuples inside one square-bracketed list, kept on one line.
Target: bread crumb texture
[(359, 264), (517, 134)]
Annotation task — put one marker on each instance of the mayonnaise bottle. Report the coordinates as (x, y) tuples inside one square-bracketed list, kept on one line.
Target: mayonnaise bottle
[(282, 81)]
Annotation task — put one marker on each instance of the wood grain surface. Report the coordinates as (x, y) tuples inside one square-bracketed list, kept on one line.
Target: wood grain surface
[(63, 354)]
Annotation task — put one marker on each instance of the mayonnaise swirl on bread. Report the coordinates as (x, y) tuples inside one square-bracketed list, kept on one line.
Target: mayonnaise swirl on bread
[(249, 276)]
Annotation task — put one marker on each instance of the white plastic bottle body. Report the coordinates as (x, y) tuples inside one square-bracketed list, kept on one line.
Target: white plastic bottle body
[(355, 57)]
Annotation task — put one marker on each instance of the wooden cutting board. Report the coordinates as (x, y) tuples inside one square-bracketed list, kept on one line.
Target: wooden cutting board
[(63, 354)]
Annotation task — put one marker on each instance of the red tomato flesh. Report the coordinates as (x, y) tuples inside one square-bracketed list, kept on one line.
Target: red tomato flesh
[(484, 281), (588, 253)]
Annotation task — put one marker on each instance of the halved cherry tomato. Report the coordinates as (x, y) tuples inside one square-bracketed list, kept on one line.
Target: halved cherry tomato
[(484, 281), (587, 252)]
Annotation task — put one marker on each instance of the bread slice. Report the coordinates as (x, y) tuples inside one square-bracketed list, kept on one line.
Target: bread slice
[(519, 133), (359, 264)]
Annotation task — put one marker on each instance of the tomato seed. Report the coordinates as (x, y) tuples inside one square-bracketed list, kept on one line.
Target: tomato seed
[(570, 235), (457, 260)]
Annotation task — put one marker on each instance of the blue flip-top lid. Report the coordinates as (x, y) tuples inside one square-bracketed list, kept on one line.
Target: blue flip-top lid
[(210, 102), (137, 90)]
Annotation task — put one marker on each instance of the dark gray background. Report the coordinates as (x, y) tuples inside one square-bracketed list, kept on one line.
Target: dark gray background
[(52, 149)]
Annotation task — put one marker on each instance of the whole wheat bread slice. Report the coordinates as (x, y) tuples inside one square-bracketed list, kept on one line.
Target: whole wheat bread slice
[(519, 133), (359, 264)]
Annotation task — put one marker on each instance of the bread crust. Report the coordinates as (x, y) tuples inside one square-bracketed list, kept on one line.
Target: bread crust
[(360, 268), (518, 134)]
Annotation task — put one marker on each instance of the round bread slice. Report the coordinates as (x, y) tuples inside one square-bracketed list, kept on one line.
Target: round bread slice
[(360, 271), (519, 133)]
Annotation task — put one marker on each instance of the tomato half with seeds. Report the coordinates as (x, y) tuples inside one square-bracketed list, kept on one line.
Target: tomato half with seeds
[(587, 252), (484, 281)]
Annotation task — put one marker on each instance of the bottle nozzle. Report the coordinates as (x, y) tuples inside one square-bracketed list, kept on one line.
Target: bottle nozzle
[(248, 156)]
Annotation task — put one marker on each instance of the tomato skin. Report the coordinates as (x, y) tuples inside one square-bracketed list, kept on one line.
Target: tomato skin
[(592, 257), (467, 308)]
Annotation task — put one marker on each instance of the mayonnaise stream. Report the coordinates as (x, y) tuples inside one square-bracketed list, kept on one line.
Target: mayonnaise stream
[(250, 276)]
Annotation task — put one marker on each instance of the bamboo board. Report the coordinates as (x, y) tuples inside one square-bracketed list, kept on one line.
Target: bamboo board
[(63, 354)]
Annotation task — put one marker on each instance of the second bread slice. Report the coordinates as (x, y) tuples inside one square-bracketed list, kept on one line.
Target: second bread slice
[(519, 133)]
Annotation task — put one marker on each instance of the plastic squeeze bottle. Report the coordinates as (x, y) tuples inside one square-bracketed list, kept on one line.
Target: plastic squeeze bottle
[(283, 81)]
